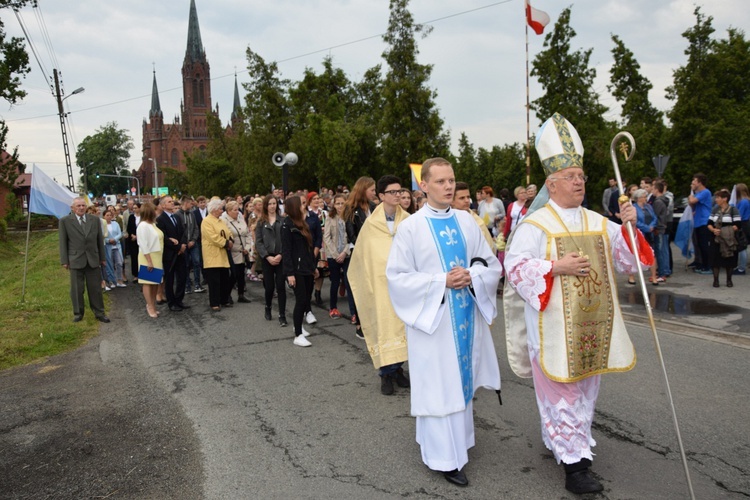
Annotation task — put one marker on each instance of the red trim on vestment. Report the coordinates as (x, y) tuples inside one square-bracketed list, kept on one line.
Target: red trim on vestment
[(545, 296)]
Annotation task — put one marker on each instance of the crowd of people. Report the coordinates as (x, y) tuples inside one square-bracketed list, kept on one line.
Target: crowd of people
[(716, 226), (421, 272)]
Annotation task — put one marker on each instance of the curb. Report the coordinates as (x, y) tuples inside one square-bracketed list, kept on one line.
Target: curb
[(741, 340)]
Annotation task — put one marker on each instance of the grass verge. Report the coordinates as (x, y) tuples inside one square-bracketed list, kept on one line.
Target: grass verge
[(41, 324)]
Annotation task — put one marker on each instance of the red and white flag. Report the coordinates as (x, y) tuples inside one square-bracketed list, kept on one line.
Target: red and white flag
[(537, 19)]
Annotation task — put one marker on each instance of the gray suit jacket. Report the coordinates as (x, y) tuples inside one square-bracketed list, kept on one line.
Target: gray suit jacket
[(81, 244)]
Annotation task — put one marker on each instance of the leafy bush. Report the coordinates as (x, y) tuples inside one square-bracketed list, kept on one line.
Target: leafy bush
[(15, 213)]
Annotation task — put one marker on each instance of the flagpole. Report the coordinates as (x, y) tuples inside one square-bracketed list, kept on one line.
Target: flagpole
[(26, 256), (528, 137)]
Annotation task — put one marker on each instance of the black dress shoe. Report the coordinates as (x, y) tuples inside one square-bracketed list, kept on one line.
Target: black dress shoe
[(175, 308), (184, 306), (103, 319), (581, 482), (578, 478), (401, 379), (386, 385), (77, 318), (457, 477), (243, 300)]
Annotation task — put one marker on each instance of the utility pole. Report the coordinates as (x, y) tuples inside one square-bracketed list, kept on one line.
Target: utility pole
[(61, 113)]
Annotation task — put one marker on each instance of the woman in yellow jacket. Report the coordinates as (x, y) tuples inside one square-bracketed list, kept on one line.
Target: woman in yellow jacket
[(216, 241)]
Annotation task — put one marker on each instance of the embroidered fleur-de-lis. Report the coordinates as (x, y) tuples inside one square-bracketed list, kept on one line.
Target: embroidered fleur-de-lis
[(449, 234), (462, 297), (458, 261), (464, 329)]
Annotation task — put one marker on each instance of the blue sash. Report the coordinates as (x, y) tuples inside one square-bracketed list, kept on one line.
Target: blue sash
[(451, 246)]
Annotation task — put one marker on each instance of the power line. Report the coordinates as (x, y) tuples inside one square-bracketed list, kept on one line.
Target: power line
[(31, 45), (45, 35)]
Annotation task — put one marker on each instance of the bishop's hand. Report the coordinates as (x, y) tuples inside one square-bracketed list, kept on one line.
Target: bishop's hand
[(572, 264)]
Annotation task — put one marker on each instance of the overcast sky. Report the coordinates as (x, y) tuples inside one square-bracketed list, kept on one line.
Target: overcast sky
[(477, 49)]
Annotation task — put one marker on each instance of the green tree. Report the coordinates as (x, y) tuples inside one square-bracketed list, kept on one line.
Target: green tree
[(14, 65), (269, 121), (177, 180), (502, 167), (568, 83), (220, 169), (411, 129), (710, 130), (466, 166), (326, 135), (105, 152), (630, 88)]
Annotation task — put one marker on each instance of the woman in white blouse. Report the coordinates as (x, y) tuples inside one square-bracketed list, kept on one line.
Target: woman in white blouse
[(150, 248)]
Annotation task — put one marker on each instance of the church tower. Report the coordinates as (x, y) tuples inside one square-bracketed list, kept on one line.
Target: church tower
[(196, 82), (166, 144)]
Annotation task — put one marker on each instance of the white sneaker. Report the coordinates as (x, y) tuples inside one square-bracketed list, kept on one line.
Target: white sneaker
[(301, 341), (305, 333), (121, 285), (310, 318)]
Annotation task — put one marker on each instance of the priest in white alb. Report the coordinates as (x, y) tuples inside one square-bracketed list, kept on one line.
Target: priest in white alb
[(564, 327), (442, 278)]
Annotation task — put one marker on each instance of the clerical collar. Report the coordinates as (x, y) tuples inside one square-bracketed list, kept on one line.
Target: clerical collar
[(567, 214), (437, 210)]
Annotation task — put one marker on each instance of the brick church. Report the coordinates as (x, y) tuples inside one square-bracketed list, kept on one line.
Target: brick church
[(166, 143)]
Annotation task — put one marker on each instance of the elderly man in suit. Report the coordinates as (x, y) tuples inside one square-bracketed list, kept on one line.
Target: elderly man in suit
[(175, 244), (82, 253)]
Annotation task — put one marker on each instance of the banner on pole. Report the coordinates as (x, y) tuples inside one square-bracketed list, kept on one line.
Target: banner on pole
[(48, 197)]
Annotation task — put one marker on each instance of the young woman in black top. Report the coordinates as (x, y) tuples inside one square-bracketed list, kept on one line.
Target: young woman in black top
[(299, 263), (268, 248)]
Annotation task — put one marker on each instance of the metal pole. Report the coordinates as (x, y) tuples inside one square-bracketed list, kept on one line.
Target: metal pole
[(61, 113), (285, 178), (528, 135), (156, 177)]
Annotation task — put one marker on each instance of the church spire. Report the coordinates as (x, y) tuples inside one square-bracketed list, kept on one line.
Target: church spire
[(237, 107), (194, 50), (155, 106)]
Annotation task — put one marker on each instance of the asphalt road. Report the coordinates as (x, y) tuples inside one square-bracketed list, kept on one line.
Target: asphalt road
[(224, 406)]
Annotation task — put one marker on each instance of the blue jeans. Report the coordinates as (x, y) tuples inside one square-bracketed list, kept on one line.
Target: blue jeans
[(338, 273), (742, 260), (193, 258), (109, 270), (662, 255), (389, 369)]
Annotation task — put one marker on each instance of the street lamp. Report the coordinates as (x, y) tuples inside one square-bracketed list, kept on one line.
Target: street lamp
[(85, 177), (76, 91), (156, 178)]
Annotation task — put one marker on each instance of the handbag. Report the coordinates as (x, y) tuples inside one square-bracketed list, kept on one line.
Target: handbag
[(741, 240)]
